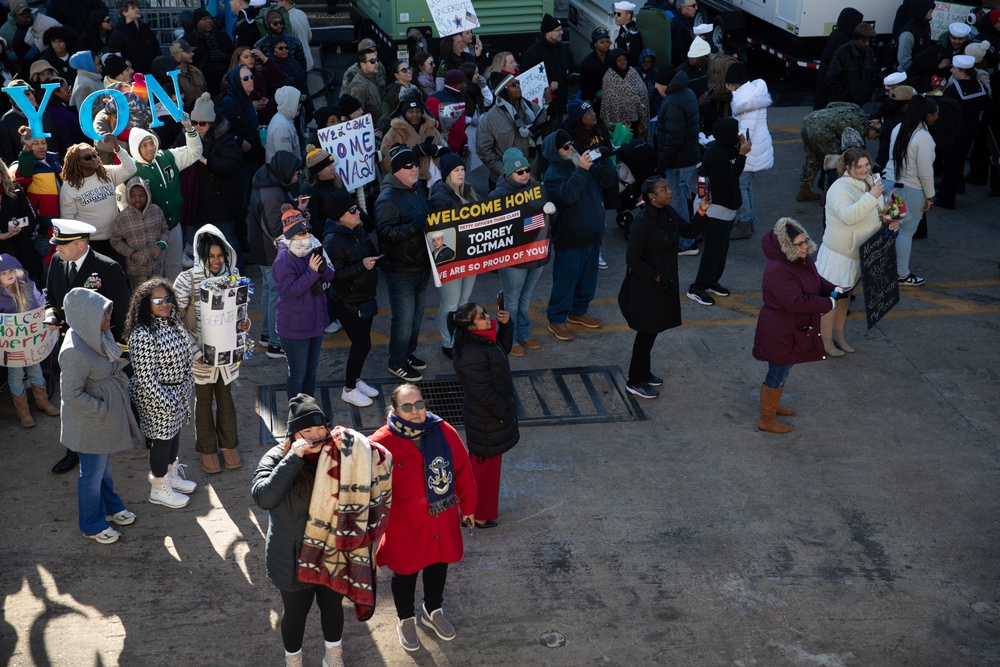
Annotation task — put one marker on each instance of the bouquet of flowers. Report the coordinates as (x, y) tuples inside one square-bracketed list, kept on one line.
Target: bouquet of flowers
[(896, 209)]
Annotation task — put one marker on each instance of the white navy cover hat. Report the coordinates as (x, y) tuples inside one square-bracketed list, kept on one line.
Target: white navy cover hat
[(67, 231), (963, 62), (894, 79), (625, 6), (959, 29), (703, 28)]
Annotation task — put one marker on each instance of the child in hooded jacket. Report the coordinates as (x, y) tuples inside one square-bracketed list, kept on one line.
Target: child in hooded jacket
[(18, 294), (140, 234)]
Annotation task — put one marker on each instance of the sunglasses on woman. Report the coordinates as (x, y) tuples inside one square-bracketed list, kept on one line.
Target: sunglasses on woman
[(89, 157), (410, 407), (403, 70), (160, 300), (281, 48), (248, 77), (352, 210)]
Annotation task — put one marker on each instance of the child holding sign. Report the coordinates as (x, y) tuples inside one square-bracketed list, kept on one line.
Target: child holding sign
[(18, 295)]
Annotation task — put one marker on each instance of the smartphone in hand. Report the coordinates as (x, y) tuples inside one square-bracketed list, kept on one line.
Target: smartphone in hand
[(500, 301)]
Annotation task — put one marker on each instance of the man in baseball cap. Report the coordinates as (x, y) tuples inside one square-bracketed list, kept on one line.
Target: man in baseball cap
[(851, 76), (192, 80)]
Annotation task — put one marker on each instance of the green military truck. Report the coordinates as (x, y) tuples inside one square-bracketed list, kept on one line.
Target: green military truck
[(505, 25)]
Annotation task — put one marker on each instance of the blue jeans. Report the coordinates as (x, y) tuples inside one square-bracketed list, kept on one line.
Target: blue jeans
[(776, 375), (268, 304), (744, 215), (451, 295), (679, 181), (302, 355), (16, 375), (96, 493), (407, 291), (518, 284), (574, 281), (914, 200)]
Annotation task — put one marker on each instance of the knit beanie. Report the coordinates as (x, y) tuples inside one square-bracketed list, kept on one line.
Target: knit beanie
[(322, 114), (204, 109), (339, 203), (699, 48), (514, 160), (454, 78), (114, 65), (562, 137), (977, 50), (399, 155), (317, 159), (83, 61), (549, 23), (576, 109), (449, 163), (292, 222), (199, 14), (498, 83), (303, 412), (348, 105), (737, 74), (664, 75)]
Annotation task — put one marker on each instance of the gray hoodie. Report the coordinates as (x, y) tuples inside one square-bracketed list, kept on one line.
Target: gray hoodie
[(96, 416)]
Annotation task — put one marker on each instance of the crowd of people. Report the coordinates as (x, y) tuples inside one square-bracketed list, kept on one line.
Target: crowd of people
[(123, 230)]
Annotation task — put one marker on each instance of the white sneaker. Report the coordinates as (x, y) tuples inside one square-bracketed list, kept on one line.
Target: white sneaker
[(601, 264), (334, 327), (355, 397), (334, 657), (123, 518), (107, 536), (366, 389), (177, 478), (160, 493)]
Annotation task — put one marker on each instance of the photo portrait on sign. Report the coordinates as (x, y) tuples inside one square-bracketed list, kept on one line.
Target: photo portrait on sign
[(441, 245), (209, 354), (223, 358), (241, 314), (204, 295), (218, 300), (242, 295)]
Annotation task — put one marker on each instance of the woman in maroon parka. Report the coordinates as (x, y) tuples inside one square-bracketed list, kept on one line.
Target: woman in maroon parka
[(431, 478), (795, 296)]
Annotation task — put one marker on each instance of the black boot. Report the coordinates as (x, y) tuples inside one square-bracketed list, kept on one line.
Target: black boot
[(66, 463)]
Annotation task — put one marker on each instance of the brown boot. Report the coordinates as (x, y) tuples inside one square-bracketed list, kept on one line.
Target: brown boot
[(231, 458), (784, 412), (210, 464), (42, 401), (770, 399), (806, 194), (23, 411)]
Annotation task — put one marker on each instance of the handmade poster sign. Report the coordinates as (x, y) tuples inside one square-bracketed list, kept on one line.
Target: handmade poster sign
[(453, 16), (946, 13), (223, 307), (533, 84), (878, 275), (352, 143), (487, 235), (24, 338)]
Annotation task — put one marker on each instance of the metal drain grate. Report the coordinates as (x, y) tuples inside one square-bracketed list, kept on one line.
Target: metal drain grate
[(544, 397)]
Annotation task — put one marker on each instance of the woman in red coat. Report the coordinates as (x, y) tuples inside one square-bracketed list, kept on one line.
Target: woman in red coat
[(431, 476), (795, 296)]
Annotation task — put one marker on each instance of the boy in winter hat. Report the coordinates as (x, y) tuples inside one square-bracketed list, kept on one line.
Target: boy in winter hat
[(140, 234)]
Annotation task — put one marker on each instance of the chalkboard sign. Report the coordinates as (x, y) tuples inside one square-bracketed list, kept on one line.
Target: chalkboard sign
[(878, 275)]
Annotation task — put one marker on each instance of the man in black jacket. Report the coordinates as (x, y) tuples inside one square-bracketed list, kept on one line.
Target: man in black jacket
[(75, 264), (134, 39), (842, 34), (851, 77), (677, 143), (559, 63), (212, 49), (401, 210)]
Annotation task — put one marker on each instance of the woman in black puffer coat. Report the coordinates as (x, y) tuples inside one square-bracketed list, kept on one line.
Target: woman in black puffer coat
[(352, 292), (488, 408)]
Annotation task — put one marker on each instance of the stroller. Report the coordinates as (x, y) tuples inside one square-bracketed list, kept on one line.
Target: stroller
[(636, 163)]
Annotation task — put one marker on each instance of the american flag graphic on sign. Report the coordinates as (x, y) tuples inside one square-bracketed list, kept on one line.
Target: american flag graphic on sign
[(13, 356), (535, 222)]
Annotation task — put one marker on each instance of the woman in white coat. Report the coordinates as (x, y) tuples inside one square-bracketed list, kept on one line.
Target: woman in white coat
[(854, 208), (750, 102)]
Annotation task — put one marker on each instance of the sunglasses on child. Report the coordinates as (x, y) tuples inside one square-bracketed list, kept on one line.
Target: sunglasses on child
[(160, 300), (521, 172)]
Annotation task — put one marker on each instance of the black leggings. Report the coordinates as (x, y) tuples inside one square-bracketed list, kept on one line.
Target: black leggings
[(639, 370), (162, 453), (359, 331), (404, 590), (297, 605)]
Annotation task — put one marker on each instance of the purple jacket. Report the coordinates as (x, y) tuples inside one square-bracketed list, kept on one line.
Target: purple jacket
[(795, 295), (7, 303), (300, 313)]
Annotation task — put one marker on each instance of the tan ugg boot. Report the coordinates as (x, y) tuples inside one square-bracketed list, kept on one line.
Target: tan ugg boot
[(770, 399), (841, 342), (23, 411), (210, 464), (42, 401), (231, 458)]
